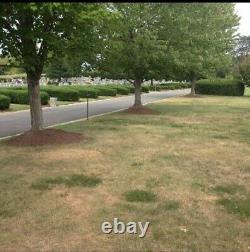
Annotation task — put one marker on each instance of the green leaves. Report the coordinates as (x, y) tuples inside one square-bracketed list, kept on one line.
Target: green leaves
[(30, 31), (139, 40), (204, 37), (132, 48)]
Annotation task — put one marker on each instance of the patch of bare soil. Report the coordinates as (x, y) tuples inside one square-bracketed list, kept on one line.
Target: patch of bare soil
[(141, 110), (45, 137)]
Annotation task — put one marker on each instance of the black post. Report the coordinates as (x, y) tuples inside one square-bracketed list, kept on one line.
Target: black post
[(87, 105)]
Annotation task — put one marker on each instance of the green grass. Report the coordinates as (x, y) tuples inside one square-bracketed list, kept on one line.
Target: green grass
[(228, 188), (236, 206), (171, 205), (72, 180), (191, 155), (140, 196), (15, 107)]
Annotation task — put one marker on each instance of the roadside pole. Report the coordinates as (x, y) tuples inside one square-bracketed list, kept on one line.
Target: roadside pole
[(87, 105)]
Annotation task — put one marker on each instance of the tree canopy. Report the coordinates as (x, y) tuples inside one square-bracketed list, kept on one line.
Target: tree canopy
[(33, 32), (204, 39)]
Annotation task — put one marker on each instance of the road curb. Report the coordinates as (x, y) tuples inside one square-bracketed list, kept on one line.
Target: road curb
[(93, 116)]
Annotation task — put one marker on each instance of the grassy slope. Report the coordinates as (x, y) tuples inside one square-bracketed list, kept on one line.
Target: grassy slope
[(193, 154)]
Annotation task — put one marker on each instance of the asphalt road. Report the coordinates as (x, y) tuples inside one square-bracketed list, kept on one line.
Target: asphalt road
[(18, 122)]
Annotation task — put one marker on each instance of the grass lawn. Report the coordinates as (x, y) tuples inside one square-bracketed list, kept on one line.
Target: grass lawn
[(15, 107), (185, 170)]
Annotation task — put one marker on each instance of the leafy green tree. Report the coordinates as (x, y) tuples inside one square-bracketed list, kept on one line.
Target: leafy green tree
[(207, 31), (10, 66), (242, 48), (32, 31), (241, 68), (4, 64), (132, 49), (63, 67), (57, 69)]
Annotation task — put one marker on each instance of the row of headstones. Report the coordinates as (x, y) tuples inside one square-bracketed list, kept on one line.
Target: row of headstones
[(79, 80), (99, 81)]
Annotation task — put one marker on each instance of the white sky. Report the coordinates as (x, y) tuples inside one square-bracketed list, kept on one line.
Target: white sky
[(243, 10)]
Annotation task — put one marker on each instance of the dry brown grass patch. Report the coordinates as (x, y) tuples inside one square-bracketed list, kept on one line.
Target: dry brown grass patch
[(69, 154)]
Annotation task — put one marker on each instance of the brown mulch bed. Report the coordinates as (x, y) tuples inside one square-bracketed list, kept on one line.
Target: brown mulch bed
[(141, 110), (45, 137)]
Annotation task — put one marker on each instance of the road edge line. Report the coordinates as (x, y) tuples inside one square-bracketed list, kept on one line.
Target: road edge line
[(84, 119)]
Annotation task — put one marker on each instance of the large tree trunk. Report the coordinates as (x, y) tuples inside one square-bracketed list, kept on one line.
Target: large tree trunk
[(35, 104), (137, 85), (193, 82)]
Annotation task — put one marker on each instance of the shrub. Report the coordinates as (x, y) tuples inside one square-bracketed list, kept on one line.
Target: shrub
[(4, 102), (84, 91), (154, 88), (170, 86), (145, 89), (44, 98), (105, 91), (53, 83), (16, 96), (120, 89), (21, 96), (220, 87), (131, 88), (62, 93), (174, 85)]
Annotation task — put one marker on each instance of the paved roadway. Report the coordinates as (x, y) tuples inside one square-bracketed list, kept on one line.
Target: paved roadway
[(17, 122)]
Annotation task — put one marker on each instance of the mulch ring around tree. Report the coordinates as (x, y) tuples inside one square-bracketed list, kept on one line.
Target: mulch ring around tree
[(141, 110), (45, 137)]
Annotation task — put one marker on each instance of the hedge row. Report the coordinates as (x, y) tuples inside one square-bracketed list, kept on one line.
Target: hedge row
[(131, 88), (62, 93), (105, 91), (154, 88), (4, 102), (170, 86), (220, 87), (120, 89), (21, 96), (85, 92), (74, 92)]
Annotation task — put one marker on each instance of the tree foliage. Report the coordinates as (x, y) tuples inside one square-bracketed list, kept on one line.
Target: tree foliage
[(242, 48), (33, 31), (207, 31), (132, 48), (242, 59)]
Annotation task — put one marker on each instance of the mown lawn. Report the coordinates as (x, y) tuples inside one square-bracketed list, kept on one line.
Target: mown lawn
[(192, 159)]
